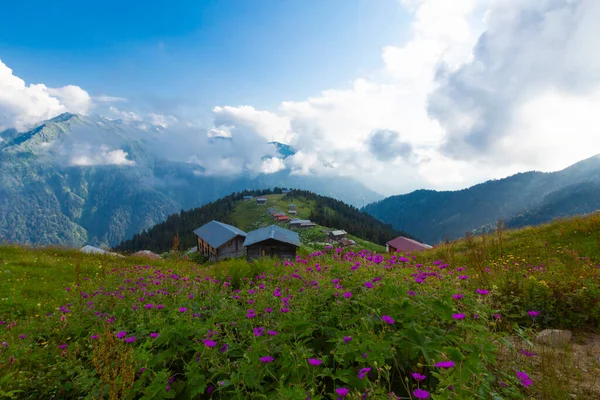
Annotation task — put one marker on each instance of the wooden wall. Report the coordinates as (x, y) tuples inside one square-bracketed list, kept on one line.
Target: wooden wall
[(271, 248)]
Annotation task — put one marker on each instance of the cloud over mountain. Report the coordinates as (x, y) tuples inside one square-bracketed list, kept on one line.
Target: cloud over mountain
[(23, 105)]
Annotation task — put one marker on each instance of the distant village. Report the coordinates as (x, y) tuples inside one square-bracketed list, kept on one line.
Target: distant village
[(218, 241)]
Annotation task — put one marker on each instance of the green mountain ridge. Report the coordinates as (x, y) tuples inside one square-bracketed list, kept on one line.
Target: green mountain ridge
[(45, 199), (246, 215), (522, 199)]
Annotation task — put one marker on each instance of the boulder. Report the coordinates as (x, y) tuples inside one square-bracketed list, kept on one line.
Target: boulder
[(146, 254), (554, 337)]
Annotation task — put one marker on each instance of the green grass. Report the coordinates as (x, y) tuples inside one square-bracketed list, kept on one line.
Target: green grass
[(551, 269), (248, 215)]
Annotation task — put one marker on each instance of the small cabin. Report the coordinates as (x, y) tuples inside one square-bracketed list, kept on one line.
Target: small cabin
[(297, 223), (285, 191), (272, 241), (218, 241), (308, 224), (336, 236), (291, 207), (246, 198), (403, 244), (261, 200), (293, 212)]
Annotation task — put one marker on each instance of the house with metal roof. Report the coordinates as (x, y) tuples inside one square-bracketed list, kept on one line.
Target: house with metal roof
[(336, 236), (403, 244), (248, 197), (271, 241), (217, 240), (261, 200)]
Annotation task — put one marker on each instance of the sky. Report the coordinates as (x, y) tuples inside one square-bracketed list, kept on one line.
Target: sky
[(399, 94)]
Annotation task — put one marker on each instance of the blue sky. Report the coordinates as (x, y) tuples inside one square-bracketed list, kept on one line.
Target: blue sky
[(400, 94), (202, 53)]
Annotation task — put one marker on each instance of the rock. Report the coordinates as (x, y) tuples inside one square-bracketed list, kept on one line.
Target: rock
[(554, 337), (146, 254)]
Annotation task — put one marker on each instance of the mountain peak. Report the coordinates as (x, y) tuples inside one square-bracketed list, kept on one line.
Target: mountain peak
[(64, 117)]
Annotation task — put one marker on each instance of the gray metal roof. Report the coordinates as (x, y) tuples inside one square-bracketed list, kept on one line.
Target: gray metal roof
[(272, 232), (300, 221), (338, 233), (216, 233)]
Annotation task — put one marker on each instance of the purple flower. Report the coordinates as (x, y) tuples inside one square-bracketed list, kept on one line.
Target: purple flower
[(121, 335), (224, 348), (368, 285), (421, 394), (182, 309), (272, 333), (458, 316), (21, 336), (148, 306), (160, 306), (388, 320), (347, 339), (209, 343), (130, 339), (315, 361), (348, 295), (94, 337), (524, 379), (458, 296), (266, 359), (533, 313), (153, 334), (527, 353), (482, 291), (418, 376), (63, 346), (445, 364), (342, 392), (284, 310), (497, 316), (259, 331), (363, 372), (268, 310), (463, 277)]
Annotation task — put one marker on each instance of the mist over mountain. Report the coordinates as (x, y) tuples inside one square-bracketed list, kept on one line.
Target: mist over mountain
[(88, 179)]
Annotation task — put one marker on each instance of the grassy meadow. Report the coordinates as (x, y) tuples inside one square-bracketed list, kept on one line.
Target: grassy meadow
[(454, 322)]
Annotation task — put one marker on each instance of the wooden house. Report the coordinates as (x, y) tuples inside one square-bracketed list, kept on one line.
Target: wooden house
[(336, 236), (261, 200), (297, 223), (292, 212), (217, 241), (403, 244), (246, 198), (291, 207), (272, 241)]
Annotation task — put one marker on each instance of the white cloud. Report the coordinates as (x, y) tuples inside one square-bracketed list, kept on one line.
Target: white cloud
[(125, 115), (482, 89), (271, 165), (73, 98), (22, 105), (161, 120), (109, 99), (103, 156)]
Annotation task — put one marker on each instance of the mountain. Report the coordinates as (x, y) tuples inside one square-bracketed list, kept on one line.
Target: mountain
[(246, 215), (76, 180), (521, 199)]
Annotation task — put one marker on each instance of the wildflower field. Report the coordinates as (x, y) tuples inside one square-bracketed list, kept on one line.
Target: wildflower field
[(454, 322)]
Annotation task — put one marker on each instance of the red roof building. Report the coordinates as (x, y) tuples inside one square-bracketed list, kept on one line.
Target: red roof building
[(403, 244), (283, 218)]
